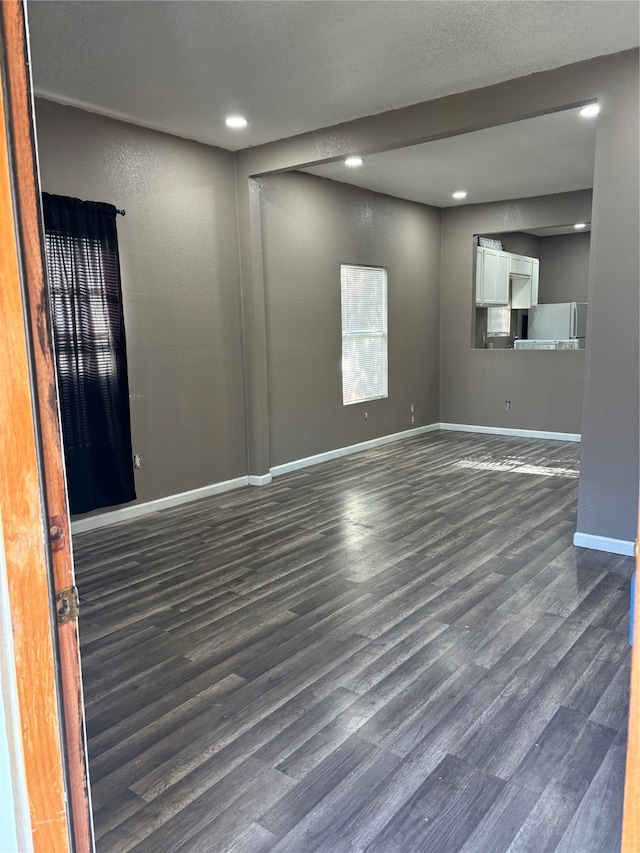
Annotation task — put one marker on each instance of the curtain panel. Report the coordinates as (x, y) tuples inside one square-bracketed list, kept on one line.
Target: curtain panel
[(83, 272)]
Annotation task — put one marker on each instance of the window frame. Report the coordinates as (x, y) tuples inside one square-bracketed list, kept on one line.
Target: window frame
[(365, 334)]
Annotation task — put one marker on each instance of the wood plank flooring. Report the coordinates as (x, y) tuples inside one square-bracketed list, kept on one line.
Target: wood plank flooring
[(395, 651)]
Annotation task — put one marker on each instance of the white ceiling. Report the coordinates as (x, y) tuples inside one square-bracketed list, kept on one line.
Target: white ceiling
[(554, 230), (292, 66), (539, 156)]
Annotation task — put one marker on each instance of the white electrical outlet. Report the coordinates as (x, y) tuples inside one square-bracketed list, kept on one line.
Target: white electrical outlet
[(366, 416), (507, 404), (137, 460), (412, 408)]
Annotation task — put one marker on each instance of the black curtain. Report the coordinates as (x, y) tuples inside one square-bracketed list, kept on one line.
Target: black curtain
[(91, 361)]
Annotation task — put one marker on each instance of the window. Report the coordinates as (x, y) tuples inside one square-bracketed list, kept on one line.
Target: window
[(499, 321), (364, 333), (85, 294), (93, 352)]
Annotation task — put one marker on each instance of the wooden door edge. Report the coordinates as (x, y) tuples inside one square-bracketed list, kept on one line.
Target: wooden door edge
[(631, 811), (24, 537), (18, 111)]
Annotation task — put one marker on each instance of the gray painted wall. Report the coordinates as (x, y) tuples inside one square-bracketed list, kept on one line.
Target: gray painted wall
[(180, 279), (309, 227), (545, 388), (564, 268), (608, 487), (162, 180), (609, 474), (519, 243)]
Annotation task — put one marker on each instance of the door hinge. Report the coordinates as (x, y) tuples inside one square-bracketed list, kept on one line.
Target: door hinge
[(67, 605)]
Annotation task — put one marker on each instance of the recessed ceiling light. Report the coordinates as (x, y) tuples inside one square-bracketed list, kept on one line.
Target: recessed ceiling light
[(580, 225), (459, 194), (236, 121), (353, 161), (590, 111)]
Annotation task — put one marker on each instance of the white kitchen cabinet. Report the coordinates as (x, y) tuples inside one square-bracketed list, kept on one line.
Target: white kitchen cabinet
[(520, 293), (535, 277), (492, 277), (520, 265), (524, 288)]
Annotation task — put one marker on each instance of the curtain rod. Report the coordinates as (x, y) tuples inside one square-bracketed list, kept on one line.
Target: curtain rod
[(121, 212)]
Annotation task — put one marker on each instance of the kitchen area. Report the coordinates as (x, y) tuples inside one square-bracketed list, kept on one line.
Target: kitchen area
[(531, 289)]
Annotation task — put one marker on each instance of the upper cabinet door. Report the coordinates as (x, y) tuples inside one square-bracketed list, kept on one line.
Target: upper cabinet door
[(492, 277), (502, 279), (535, 275), (479, 275), (520, 265)]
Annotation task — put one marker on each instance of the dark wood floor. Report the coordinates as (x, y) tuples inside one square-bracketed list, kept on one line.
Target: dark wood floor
[(396, 651)]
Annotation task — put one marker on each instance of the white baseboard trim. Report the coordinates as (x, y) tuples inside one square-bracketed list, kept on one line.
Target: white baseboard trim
[(136, 510), (93, 522), (603, 543), (523, 433), (353, 448), (262, 480), (125, 513)]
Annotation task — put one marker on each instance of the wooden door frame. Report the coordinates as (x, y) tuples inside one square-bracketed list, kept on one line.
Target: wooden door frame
[(631, 815), (47, 652)]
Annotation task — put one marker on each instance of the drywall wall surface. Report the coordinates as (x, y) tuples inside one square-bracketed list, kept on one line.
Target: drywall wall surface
[(519, 243), (512, 100), (180, 280), (599, 79), (608, 490), (309, 227), (544, 388), (564, 268)]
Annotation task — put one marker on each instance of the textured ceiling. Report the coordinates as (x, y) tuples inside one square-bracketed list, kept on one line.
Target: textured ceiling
[(539, 156), (292, 67)]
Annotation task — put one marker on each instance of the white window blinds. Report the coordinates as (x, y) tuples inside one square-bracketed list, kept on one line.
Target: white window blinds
[(364, 333)]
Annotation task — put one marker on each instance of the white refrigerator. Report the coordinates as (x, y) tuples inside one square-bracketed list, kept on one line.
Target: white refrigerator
[(558, 321)]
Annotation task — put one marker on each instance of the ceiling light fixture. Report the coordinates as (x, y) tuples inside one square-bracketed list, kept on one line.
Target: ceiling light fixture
[(459, 194), (236, 121), (590, 111), (353, 161), (580, 225)]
